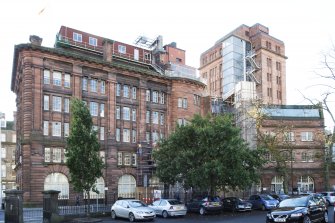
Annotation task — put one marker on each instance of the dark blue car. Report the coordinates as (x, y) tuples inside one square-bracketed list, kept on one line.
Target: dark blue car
[(263, 201)]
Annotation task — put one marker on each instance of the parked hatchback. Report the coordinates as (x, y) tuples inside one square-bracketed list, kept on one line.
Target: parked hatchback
[(263, 201), (132, 209), (169, 207), (204, 205), (329, 196)]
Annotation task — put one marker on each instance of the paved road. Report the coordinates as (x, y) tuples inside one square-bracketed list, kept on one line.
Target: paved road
[(226, 217)]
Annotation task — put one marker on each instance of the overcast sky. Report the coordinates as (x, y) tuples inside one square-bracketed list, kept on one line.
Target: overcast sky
[(306, 27)]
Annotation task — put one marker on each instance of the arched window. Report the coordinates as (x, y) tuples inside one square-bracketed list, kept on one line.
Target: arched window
[(57, 181), (277, 184), (100, 186), (306, 184), (126, 186)]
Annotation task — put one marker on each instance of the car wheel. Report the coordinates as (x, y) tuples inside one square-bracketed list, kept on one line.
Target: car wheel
[(307, 219), (165, 214), (325, 217), (113, 215), (202, 211), (328, 203), (131, 217)]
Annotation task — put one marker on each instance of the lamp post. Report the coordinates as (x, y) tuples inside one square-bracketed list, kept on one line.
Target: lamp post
[(2, 118)]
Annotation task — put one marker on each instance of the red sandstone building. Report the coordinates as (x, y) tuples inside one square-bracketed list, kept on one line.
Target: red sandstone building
[(136, 95)]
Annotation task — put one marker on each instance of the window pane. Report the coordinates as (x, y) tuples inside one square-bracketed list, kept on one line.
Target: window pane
[(67, 80), (46, 77), (57, 78)]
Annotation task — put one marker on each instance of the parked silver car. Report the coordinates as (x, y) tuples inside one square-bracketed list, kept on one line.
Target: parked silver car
[(329, 196), (169, 207), (132, 209)]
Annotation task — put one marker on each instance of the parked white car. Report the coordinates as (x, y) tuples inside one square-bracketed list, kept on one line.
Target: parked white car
[(329, 196), (132, 209), (169, 207)]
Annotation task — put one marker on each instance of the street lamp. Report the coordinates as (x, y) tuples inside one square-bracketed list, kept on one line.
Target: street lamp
[(2, 124)]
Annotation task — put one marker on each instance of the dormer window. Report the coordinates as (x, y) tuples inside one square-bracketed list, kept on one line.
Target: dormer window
[(93, 41), (122, 49), (77, 37)]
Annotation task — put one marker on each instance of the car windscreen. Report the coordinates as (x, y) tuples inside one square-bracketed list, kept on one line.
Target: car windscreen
[(174, 202), (295, 202), (267, 197), (136, 204)]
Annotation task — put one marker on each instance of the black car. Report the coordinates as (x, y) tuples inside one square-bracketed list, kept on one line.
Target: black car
[(203, 205), (235, 204), (303, 209)]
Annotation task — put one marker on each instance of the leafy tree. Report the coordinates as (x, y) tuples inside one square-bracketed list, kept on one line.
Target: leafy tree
[(207, 154), (83, 160)]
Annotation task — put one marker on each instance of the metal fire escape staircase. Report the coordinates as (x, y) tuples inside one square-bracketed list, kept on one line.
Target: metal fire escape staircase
[(250, 57)]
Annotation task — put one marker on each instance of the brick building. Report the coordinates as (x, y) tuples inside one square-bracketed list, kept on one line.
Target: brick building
[(298, 132), (8, 147), (248, 54), (135, 94)]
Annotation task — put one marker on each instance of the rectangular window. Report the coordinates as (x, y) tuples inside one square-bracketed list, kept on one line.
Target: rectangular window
[(3, 137), (57, 155), (278, 66), (155, 96), (3, 153), (289, 136), (102, 87), (84, 83), (77, 37), (147, 137), (102, 110), (307, 136), (93, 41), (126, 135), (93, 85), (147, 117), (125, 91), (57, 78), (127, 159), (103, 156), (134, 115), (102, 133), (94, 108), (133, 136), (181, 121), (162, 119), (119, 159), (122, 49), (155, 136), (147, 95), (269, 62), (46, 103), (118, 89), (184, 102), (45, 128), (66, 129), (134, 92), (162, 98), (46, 77), (66, 105), (56, 103), (147, 56), (118, 113), (117, 134), (180, 102), (67, 80), (134, 159), (3, 172), (126, 113), (47, 155), (155, 117), (56, 129)]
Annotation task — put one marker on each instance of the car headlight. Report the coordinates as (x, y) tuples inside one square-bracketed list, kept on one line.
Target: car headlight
[(268, 215), (294, 215)]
